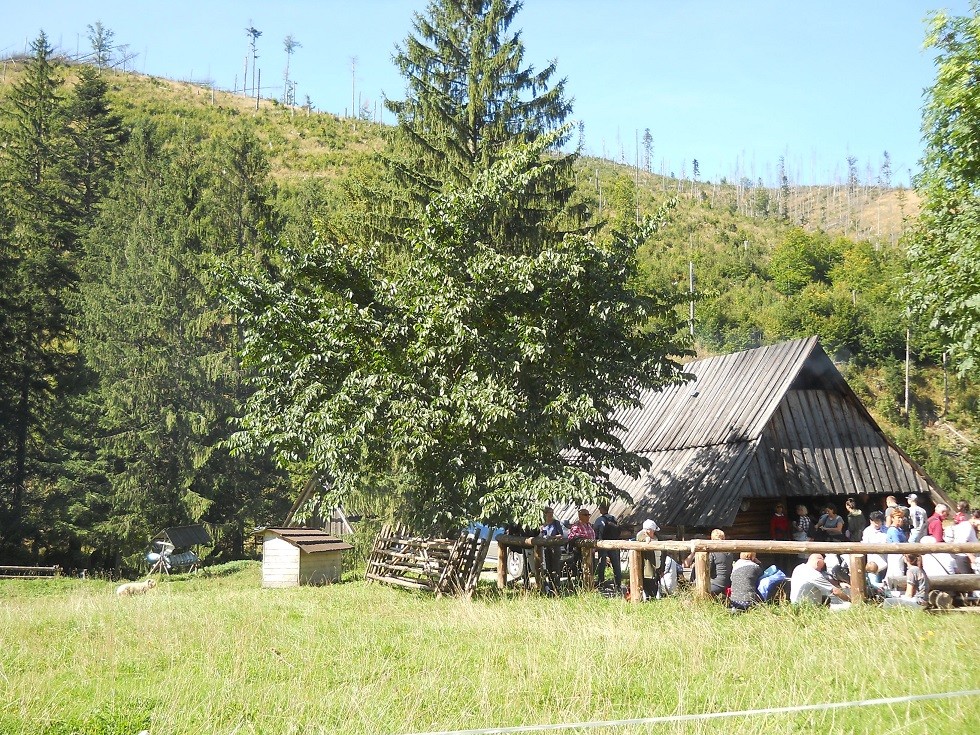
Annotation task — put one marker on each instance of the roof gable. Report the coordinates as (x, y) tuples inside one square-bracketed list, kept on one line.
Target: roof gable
[(730, 399), (182, 536)]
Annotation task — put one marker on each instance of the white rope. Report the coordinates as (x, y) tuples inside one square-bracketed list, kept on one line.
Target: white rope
[(706, 715)]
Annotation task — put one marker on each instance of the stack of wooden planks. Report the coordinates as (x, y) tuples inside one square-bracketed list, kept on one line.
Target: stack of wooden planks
[(15, 572), (441, 566)]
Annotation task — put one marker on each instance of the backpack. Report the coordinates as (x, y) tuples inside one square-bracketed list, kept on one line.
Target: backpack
[(611, 530)]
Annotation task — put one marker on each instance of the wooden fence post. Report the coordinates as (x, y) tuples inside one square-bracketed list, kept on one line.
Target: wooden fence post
[(501, 566), (539, 568), (858, 579), (588, 555), (702, 577), (636, 576)]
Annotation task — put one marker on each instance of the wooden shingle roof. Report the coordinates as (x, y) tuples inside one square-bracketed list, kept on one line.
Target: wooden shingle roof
[(764, 423)]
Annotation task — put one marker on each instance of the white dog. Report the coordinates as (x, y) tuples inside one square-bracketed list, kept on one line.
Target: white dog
[(135, 588)]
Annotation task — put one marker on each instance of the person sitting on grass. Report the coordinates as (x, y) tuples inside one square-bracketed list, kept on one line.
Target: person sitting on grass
[(719, 566), (916, 587), (810, 583), (746, 573), (876, 590)]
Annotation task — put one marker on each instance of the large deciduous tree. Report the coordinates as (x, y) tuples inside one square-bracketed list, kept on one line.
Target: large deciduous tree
[(486, 378), (944, 246)]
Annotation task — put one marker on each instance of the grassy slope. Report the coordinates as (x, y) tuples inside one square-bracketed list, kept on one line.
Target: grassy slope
[(220, 655)]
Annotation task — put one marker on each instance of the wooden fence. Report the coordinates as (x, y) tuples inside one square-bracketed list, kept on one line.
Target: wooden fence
[(13, 572), (701, 548)]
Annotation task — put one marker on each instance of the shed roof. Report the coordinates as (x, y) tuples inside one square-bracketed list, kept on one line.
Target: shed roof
[(310, 540), (182, 536), (763, 423)]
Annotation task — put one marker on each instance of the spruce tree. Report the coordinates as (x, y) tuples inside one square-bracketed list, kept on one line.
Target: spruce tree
[(97, 137), (156, 329), (36, 170), (471, 96)]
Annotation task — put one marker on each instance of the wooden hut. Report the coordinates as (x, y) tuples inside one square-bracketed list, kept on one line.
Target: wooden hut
[(777, 423), (296, 556)]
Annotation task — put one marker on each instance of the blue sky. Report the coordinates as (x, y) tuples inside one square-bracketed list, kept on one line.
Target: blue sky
[(734, 84)]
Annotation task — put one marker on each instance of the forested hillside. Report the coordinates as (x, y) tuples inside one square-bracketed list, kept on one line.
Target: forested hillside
[(129, 203)]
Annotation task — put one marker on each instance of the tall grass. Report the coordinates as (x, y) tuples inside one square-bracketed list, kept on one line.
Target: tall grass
[(218, 654)]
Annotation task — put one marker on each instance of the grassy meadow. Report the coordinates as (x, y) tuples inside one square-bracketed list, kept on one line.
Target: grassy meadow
[(215, 653)]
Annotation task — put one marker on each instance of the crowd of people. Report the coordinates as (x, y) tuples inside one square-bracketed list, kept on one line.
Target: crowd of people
[(895, 579)]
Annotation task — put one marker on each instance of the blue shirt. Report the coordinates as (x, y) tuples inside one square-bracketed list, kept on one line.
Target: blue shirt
[(895, 535)]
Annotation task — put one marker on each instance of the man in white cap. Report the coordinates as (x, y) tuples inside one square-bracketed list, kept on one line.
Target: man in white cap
[(918, 518), (652, 560)]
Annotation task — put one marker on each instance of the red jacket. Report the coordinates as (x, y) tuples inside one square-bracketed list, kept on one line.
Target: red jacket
[(779, 528)]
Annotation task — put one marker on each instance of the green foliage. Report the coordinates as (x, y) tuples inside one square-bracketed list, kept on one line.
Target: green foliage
[(801, 259), (157, 333), (944, 247), (486, 377)]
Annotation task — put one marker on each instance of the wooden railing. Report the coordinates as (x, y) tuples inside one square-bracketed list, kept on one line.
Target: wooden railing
[(701, 548)]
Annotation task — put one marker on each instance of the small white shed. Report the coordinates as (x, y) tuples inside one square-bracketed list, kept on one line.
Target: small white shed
[(295, 556)]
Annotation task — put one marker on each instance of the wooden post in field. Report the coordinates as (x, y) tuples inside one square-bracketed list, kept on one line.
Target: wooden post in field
[(858, 579), (636, 576), (501, 566), (702, 577), (539, 568), (588, 554)]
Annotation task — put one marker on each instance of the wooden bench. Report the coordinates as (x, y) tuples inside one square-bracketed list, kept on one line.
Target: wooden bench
[(15, 572)]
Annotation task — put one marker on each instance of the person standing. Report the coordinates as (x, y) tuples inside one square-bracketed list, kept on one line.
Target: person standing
[(830, 527), (607, 528), (875, 534), (551, 528), (918, 518), (896, 535), (962, 512), (652, 560), (934, 526), (779, 524), (964, 533), (802, 526), (582, 530), (855, 520)]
